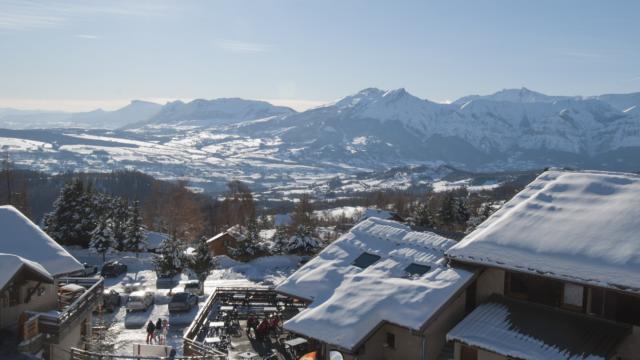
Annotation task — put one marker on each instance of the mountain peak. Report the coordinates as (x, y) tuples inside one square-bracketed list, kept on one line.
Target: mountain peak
[(521, 95)]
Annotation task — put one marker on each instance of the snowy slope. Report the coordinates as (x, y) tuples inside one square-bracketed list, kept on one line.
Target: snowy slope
[(328, 148), (204, 113)]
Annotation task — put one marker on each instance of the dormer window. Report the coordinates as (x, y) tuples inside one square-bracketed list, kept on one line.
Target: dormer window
[(365, 260), (416, 270)]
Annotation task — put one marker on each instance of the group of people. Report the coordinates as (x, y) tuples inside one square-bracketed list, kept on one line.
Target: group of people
[(157, 332), (262, 329)]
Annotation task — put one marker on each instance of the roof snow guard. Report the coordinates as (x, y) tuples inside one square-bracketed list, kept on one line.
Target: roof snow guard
[(531, 331), (20, 236), (349, 302), (573, 226)]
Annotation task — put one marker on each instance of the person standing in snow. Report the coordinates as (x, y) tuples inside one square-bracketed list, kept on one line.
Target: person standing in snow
[(165, 331), (158, 331), (150, 329), (252, 324)]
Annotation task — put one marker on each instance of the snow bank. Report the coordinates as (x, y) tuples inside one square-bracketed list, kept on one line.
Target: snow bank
[(20, 236), (349, 302), (574, 226), (267, 270)]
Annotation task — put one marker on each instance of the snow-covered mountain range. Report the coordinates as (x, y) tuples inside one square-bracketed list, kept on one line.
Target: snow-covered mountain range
[(210, 141)]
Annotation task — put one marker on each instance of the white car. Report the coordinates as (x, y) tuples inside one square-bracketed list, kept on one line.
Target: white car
[(139, 300), (132, 287)]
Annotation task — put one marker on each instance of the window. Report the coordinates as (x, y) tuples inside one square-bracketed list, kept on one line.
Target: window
[(391, 341), (573, 296), (415, 270), (534, 288), (615, 306), (365, 260)]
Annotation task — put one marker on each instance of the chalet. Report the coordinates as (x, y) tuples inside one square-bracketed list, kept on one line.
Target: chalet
[(32, 284), (558, 272), (381, 291), (222, 243)]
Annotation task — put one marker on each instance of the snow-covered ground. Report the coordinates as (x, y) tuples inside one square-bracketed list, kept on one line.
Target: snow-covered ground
[(127, 329)]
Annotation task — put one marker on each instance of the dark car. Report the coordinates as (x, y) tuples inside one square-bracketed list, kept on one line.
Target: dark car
[(165, 281), (110, 300), (113, 268), (182, 301)]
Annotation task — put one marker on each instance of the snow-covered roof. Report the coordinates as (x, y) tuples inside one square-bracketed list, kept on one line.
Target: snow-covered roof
[(20, 236), (348, 302), (529, 331), (236, 231), (377, 213), (10, 264), (574, 226)]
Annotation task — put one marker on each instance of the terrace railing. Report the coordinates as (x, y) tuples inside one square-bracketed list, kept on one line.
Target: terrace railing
[(55, 323)]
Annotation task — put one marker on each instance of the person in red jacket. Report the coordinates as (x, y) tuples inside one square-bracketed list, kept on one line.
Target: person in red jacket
[(263, 329), (150, 330)]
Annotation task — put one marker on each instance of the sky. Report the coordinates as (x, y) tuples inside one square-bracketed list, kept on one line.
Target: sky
[(80, 55)]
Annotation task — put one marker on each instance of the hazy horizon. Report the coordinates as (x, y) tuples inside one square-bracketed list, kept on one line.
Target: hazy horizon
[(93, 54)]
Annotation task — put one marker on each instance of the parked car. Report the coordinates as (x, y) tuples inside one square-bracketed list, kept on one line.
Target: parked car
[(87, 270), (90, 269), (130, 287), (113, 268), (182, 301), (165, 281), (139, 301), (110, 300), (193, 287)]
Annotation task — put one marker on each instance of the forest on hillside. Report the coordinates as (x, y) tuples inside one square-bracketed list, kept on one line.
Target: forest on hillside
[(172, 208)]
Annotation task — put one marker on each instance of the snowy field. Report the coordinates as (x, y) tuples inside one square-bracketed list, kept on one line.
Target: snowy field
[(126, 329)]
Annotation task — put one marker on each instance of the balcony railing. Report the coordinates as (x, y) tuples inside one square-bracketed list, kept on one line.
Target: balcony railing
[(57, 322)]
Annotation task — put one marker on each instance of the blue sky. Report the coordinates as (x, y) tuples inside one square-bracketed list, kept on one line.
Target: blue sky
[(61, 54)]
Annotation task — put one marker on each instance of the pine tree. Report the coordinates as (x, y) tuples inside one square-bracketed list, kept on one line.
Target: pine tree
[(202, 263), (264, 222), (170, 256), (302, 242), (102, 238), (119, 217), (460, 212), (422, 215), (88, 213), (62, 224), (250, 244), (446, 212), (280, 240), (135, 239)]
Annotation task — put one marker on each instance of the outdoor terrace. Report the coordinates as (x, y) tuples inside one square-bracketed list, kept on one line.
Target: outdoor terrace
[(220, 328)]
